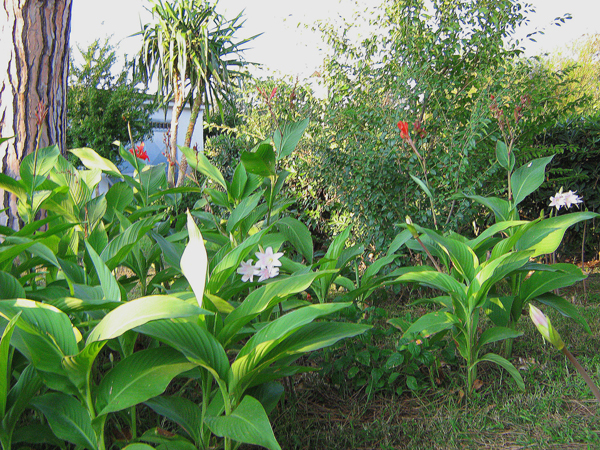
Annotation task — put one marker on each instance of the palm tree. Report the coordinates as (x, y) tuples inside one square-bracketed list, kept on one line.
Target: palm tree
[(192, 50)]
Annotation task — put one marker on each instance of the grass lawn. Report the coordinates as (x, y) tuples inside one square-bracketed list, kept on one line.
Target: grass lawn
[(556, 411)]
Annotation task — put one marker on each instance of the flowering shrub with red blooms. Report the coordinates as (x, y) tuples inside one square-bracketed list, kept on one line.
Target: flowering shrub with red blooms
[(140, 152), (403, 129)]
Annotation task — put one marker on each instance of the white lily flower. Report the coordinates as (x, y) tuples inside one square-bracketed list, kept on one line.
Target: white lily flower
[(566, 199), (268, 258), (571, 199), (248, 270), (557, 201), (194, 261), (267, 272)]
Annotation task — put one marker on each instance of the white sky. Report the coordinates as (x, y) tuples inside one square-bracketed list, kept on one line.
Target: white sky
[(289, 48)]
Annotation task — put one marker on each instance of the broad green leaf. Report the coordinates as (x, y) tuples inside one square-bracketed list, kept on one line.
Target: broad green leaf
[(193, 340), (496, 334), (118, 248), (422, 185), (138, 447), (464, 259), (260, 162), (261, 343), (498, 309), (228, 264), (436, 280), (139, 377), (170, 442), (171, 251), (564, 307), (27, 386), (507, 244), (526, 179), (374, 268), (10, 288), (298, 235), (496, 228), (540, 282), (492, 357), (545, 236), (262, 299), (247, 424), (68, 419), (14, 186), (44, 163), (152, 180), (492, 271), (94, 211), (219, 198), (432, 323), (268, 394), (501, 208), (292, 133), (109, 284), (5, 362), (78, 367), (257, 366), (36, 249), (502, 156), (45, 333), (344, 282), (242, 211), (201, 163), (93, 160), (140, 311), (401, 239), (180, 410), (8, 251), (91, 178), (176, 190), (37, 433), (238, 183), (126, 155)]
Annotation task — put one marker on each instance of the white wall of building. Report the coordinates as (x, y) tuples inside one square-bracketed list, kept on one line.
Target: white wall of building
[(155, 146)]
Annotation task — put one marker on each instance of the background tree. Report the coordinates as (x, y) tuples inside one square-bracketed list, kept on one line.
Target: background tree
[(100, 103), (191, 50), (35, 55)]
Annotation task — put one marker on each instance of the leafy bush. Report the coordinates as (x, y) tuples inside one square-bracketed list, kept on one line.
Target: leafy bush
[(101, 105)]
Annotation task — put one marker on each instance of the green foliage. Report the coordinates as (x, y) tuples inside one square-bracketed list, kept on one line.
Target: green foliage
[(574, 167), (381, 359), (64, 311), (101, 104)]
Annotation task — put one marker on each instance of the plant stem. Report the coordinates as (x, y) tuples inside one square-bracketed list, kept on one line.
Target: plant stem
[(583, 373), (206, 382), (430, 255), (133, 422)]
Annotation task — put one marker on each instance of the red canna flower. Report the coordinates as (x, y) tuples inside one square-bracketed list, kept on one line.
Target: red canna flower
[(139, 152), (273, 92), (403, 126)]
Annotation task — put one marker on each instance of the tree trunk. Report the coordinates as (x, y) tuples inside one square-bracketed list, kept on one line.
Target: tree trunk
[(188, 136), (35, 55), (178, 103)]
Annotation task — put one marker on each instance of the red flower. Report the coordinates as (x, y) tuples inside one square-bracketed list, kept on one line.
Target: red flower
[(403, 129), (140, 152)]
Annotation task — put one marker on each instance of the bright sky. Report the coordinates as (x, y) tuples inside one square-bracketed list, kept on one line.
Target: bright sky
[(290, 48)]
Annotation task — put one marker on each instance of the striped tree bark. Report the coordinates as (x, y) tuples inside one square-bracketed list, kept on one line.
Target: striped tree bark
[(34, 56)]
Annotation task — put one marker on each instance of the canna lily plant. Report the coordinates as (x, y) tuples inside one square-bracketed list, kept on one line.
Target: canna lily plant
[(496, 273), (238, 353)]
